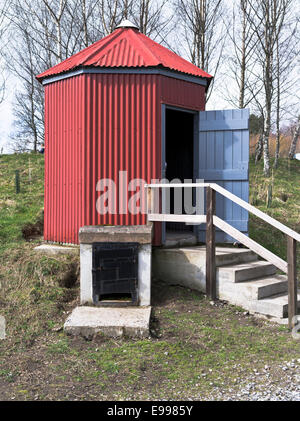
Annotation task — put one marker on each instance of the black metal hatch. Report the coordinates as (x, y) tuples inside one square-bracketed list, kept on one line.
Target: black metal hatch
[(115, 272)]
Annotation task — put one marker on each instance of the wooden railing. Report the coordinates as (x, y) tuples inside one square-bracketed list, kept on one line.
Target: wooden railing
[(212, 221)]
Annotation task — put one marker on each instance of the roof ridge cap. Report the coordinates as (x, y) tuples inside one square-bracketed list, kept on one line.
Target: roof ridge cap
[(107, 39), (141, 41)]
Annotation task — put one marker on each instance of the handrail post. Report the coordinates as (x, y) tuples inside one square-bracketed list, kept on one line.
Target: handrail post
[(211, 289), (292, 280)]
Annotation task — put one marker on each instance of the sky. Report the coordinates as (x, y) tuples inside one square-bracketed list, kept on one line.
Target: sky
[(6, 114), (6, 109), (216, 102)]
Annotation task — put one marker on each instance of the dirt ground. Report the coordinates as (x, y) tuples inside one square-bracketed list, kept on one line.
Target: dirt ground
[(196, 351)]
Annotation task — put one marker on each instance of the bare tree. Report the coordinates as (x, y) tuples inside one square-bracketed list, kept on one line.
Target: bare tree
[(111, 14), (267, 18), (287, 51), (57, 15), (28, 103), (149, 15), (204, 32), (278, 77), (240, 57), (4, 5)]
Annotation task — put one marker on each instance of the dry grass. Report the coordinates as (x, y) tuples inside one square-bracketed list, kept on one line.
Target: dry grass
[(285, 143)]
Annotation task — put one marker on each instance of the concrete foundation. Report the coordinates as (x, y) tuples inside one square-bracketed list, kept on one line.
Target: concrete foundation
[(242, 279), (140, 234), (112, 322)]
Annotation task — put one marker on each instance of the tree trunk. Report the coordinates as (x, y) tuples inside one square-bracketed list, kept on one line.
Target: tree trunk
[(85, 28), (295, 140), (277, 147), (243, 58), (259, 149), (265, 142), (278, 108)]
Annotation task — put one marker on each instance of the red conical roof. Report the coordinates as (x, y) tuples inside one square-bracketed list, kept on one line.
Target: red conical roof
[(129, 48)]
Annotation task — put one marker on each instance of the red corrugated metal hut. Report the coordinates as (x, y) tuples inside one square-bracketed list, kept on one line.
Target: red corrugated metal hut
[(114, 107)]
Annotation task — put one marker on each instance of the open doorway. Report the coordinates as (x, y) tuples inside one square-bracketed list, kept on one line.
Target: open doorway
[(179, 156)]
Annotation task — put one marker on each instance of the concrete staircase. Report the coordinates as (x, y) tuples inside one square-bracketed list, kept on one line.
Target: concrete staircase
[(242, 279)]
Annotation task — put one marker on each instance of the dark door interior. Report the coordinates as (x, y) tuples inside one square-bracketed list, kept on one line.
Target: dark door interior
[(179, 154)]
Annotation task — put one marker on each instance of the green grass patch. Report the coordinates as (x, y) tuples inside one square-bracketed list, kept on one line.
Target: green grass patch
[(199, 347)]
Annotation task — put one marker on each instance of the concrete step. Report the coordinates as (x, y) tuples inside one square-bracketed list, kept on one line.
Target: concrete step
[(243, 292), (245, 271), (276, 306), (186, 266), (266, 287), (232, 256)]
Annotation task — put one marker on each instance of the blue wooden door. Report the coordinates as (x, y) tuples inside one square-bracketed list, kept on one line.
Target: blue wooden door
[(224, 159)]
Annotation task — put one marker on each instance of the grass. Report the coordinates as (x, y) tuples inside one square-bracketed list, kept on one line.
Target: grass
[(285, 206), (17, 210), (196, 351)]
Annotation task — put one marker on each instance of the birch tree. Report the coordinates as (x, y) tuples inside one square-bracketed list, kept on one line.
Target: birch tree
[(56, 16), (287, 53), (295, 139), (203, 29), (4, 5), (150, 16), (240, 57), (267, 18)]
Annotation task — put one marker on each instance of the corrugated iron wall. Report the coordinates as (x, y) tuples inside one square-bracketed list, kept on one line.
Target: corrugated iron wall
[(64, 163), (96, 126), (122, 125), (183, 94)]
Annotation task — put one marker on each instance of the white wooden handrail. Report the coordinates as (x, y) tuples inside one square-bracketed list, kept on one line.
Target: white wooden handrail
[(212, 221), (251, 244), (276, 224)]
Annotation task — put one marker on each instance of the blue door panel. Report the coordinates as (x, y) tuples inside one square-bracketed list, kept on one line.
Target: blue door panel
[(224, 159)]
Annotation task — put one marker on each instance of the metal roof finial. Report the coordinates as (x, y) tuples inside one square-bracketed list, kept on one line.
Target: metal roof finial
[(127, 24)]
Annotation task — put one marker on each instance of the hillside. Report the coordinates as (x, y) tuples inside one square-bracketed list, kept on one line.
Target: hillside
[(18, 210), (197, 351)]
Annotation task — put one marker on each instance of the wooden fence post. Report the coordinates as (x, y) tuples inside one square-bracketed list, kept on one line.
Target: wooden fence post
[(211, 289), (17, 181), (292, 280)]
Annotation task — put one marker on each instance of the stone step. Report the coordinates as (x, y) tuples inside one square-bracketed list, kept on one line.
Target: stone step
[(257, 289), (245, 271), (266, 287), (276, 306), (232, 256), (186, 266)]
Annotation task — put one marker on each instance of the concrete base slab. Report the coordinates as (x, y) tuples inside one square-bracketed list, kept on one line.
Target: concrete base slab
[(112, 322), (54, 250)]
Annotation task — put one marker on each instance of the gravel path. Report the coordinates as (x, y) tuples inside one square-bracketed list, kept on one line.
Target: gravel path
[(280, 383)]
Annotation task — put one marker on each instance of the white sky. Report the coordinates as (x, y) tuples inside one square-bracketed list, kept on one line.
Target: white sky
[(6, 115), (6, 108)]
